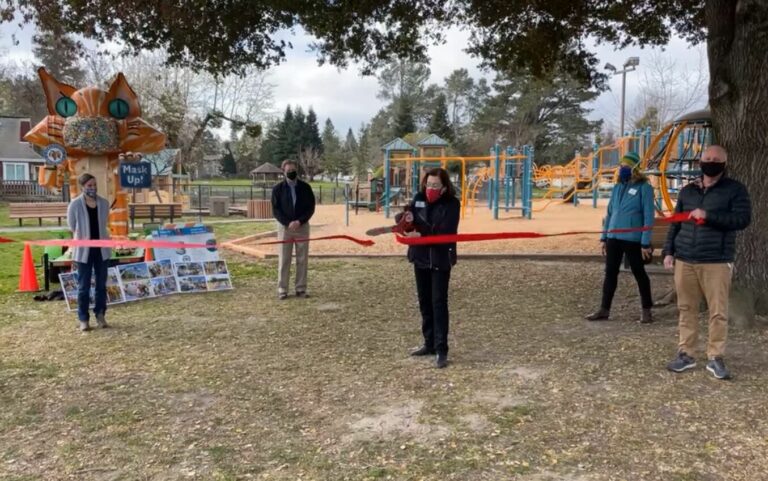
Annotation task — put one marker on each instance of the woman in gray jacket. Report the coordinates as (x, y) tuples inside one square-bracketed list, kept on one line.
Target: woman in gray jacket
[(87, 217)]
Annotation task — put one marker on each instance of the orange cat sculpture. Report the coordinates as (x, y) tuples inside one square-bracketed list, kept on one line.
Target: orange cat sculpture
[(86, 131)]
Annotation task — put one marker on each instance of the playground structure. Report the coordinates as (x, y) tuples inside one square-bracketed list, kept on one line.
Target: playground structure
[(505, 172), (85, 131), (669, 159), (672, 158), (170, 185)]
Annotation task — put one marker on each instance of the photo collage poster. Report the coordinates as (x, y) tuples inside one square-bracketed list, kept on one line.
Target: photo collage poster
[(69, 282), (145, 280)]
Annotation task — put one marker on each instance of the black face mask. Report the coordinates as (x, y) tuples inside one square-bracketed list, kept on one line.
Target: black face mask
[(712, 169), (291, 175)]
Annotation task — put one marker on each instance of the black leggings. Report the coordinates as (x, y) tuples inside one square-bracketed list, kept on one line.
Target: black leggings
[(614, 253)]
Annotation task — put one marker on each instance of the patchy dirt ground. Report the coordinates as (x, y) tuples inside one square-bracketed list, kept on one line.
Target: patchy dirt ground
[(554, 218), (238, 385)]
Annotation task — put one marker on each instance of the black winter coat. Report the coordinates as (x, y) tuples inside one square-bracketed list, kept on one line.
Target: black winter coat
[(282, 203), (728, 210), (441, 217)]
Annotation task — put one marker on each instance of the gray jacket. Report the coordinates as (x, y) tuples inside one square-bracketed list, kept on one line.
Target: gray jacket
[(77, 219)]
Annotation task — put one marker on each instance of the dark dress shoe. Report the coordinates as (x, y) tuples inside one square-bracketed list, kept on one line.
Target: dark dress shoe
[(600, 315), (646, 317), (423, 351)]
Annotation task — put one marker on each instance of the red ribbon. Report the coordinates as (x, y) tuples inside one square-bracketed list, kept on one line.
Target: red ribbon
[(451, 238), (154, 244), (427, 240), (146, 244), (362, 242)]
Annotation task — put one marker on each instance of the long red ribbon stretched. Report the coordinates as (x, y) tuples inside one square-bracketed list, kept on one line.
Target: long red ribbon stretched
[(155, 244), (362, 242), (428, 240), (477, 237)]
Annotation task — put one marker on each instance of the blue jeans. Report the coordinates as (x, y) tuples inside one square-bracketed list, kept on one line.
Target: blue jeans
[(98, 267)]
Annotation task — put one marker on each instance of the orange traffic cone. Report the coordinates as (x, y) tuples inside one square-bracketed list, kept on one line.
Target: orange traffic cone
[(148, 257), (27, 275)]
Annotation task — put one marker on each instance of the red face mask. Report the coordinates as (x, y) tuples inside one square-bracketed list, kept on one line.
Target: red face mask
[(433, 195)]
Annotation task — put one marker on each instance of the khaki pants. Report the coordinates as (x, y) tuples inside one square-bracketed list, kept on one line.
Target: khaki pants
[(285, 252), (713, 283)]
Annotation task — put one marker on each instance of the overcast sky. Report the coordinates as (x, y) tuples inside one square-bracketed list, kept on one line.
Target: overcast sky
[(350, 99)]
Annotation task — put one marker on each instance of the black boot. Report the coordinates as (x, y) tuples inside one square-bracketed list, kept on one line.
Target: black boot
[(646, 317), (423, 351), (442, 361), (601, 314)]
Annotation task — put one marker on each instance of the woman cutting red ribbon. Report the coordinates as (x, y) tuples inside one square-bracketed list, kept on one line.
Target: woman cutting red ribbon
[(434, 211)]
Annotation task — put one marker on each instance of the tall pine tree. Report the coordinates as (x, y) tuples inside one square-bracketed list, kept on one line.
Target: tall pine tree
[(60, 55), (332, 151), (438, 124), (362, 161), (404, 123), (286, 140), (312, 132)]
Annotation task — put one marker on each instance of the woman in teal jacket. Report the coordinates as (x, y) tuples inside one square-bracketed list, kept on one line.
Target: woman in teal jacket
[(631, 206)]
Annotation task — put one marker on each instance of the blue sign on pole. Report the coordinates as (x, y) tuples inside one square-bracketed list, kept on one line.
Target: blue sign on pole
[(137, 175)]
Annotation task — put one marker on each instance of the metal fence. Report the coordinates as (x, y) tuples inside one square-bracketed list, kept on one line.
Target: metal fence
[(200, 195), (30, 191)]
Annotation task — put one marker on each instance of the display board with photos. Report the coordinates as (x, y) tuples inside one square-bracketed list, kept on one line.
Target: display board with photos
[(190, 234), (145, 280)]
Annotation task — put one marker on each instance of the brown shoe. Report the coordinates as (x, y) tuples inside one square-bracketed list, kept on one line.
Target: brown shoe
[(600, 315), (101, 321), (646, 317)]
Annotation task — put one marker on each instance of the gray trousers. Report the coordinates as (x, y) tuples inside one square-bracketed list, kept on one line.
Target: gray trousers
[(285, 252)]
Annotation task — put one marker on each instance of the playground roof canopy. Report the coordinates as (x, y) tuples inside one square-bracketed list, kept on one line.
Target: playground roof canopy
[(397, 145), (698, 116), (267, 168), (432, 140)]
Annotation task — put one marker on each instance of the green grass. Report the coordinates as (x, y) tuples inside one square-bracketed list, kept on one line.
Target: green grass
[(11, 254)]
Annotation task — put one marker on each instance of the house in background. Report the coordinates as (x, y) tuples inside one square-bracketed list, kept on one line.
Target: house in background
[(17, 159)]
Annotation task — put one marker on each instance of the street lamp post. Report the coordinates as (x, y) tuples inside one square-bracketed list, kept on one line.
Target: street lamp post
[(629, 66)]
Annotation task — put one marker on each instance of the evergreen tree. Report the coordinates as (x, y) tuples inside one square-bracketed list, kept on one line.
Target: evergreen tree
[(60, 55), (312, 131), (403, 123), (332, 153), (285, 147), (438, 124), (299, 137), (228, 163), (269, 149), (361, 156)]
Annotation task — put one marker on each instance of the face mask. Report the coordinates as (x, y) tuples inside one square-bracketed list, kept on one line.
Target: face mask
[(433, 195), (291, 175), (90, 192), (712, 169), (625, 173)]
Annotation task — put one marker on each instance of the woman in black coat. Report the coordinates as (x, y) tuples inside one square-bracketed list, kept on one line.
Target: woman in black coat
[(435, 210)]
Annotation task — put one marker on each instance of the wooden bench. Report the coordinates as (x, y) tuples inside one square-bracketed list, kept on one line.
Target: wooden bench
[(37, 210), (153, 211)]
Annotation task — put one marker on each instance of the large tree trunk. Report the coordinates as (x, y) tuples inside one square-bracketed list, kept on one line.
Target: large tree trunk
[(737, 47)]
